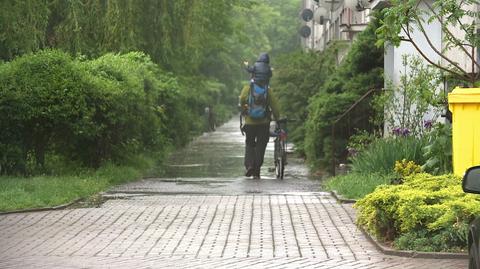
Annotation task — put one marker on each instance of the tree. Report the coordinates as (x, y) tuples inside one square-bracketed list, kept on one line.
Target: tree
[(407, 21)]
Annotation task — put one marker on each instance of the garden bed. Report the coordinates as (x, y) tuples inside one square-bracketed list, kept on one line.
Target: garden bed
[(425, 213)]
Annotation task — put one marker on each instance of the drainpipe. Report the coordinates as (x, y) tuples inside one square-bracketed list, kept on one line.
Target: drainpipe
[(333, 149)]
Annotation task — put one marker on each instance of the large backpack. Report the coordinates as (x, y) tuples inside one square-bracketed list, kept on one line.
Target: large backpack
[(257, 101)]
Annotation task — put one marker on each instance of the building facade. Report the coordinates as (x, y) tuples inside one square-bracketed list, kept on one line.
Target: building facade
[(339, 22), (335, 22), (432, 43)]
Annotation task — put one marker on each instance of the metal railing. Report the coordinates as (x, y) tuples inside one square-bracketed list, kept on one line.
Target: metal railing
[(345, 113)]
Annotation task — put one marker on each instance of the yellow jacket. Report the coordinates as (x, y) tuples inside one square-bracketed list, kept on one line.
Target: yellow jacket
[(272, 103)]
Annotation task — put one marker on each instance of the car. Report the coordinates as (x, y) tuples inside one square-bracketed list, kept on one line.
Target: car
[(471, 184)]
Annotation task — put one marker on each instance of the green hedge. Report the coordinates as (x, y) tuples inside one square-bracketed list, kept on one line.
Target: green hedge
[(315, 89), (93, 111), (425, 213)]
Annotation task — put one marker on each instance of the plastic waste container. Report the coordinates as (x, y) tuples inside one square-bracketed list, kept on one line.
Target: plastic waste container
[(464, 103)]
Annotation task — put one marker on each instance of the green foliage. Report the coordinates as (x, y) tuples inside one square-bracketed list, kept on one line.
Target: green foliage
[(22, 27), (93, 111), (45, 191), (206, 38), (356, 185), (42, 98), (360, 141), (314, 91), (449, 239), (433, 207), (406, 105), (324, 108), (103, 102), (382, 154), (406, 168), (456, 20), (438, 151), (361, 71), (294, 84)]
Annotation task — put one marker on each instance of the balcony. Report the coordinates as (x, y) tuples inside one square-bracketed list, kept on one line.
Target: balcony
[(379, 4), (352, 28)]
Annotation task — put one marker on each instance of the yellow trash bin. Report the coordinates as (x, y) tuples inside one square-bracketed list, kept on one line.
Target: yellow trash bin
[(465, 107)]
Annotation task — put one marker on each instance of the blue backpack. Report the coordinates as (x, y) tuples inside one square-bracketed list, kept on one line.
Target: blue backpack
[(257, 101)]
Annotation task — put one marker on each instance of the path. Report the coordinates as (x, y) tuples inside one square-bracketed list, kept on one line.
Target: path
[(202, 214)]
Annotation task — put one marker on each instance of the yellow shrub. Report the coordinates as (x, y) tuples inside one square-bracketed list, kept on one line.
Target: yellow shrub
[(406, 168), (423, 202)]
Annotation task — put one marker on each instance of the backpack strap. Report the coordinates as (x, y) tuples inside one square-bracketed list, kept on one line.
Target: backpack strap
[(250, 94)]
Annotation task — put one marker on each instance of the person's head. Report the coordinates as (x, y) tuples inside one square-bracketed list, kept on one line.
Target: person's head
[(263, 57)]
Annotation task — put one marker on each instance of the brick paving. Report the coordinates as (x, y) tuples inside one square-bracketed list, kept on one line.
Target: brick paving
[(200, 215), (197, 231)]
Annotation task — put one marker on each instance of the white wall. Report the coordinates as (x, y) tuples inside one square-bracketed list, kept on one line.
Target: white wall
[(458, 55), (393, 57)]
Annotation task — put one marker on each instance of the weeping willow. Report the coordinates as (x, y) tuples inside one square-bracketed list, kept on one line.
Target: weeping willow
[(176, 34)]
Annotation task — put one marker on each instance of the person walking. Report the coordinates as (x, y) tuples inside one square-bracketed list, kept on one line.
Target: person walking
[(209, 118), (259, 104)]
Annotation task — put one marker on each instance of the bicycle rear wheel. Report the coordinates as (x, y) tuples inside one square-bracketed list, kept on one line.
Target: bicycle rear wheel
[(280, 156), (284, 159), (279, 169)]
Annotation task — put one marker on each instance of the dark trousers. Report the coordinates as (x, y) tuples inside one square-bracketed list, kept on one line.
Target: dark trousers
[(255, 144)]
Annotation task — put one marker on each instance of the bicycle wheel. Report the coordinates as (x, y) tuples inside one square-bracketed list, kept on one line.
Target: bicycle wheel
[(283, 159), (279, 169), (277, 156), (284, 152), (280, 158)]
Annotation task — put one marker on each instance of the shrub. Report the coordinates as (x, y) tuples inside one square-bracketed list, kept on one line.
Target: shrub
[(359, 142), (54, 107), (406, 168), (43, 99), (294, 85), (381, 155), (433, 207), (438, 151), (415, 97), (359, 72)]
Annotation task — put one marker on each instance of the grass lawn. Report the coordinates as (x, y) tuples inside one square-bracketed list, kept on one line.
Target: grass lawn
[(355, 185), (45, 191)]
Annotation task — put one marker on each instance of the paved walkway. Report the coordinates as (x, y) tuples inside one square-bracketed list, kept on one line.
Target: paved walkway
[(200, 222)]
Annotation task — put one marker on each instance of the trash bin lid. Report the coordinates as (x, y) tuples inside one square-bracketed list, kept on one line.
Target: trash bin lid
[(464, 95)]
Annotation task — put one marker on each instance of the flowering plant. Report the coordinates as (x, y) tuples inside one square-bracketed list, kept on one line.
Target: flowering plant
[(398, 131)]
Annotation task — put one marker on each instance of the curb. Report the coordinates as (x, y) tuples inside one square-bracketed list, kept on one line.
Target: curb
[(341, 199), (400, 253), (412, 254), (58, 207)]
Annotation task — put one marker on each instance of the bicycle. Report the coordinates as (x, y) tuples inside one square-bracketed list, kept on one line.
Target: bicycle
[(280, 148)]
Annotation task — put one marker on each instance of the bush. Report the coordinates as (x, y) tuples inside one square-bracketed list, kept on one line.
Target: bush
[(93, 111), (406, 168), (381, 155), (294, 85), (428, 211), (438, 151), (43, 99), (414, 98), (360, 141), (359, 72)]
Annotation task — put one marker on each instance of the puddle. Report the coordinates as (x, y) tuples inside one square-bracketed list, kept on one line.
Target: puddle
[(90, 202)]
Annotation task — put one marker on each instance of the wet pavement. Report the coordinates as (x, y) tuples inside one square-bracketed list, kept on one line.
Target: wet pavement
[(213, 164), (202, 214)]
